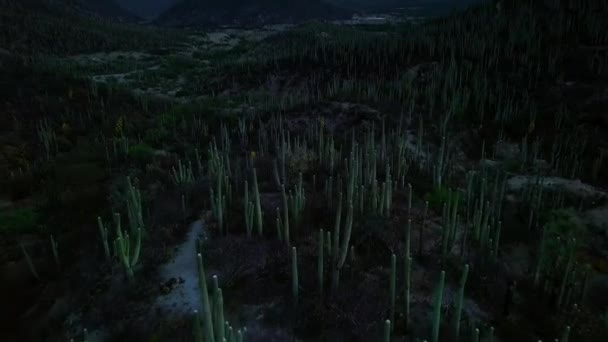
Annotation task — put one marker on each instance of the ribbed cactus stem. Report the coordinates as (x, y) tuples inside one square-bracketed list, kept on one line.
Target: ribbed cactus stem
[(248, 210), (345, 241), (387, 331), (220, 332), (295, 285), (29, 262), (103, 231), (258, 206), (285, 222), (460, 300), (475, 335), (408, 275), (320, 260), (408, 266), (437, 308), (207, 314), (422, 226), (497, 239), (54, 249), (393, 286), (197, 330), (127, 251)]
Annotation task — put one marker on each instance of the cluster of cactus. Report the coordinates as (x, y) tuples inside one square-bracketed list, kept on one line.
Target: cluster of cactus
[(340, 242), (450, 221), (326, 147), (297, 202), (127, 245), (48, 138), (127, 248), (220, 191), (484, 214), (183, 174), (572, 284), (440, 166), (210, 325)]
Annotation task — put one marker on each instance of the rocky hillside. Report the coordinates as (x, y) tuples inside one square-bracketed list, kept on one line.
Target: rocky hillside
[(247, 12)]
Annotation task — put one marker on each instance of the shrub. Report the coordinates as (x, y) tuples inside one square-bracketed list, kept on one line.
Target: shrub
[(141, 153), (18, 221), (439, 196)]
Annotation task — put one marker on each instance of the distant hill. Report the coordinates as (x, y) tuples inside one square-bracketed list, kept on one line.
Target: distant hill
[(247, 12), (61, 27), (107, 9), (146, 9), (435, 7)]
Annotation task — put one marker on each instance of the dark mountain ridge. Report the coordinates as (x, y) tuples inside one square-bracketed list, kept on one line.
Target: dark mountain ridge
[(247, 12), (108, 9)]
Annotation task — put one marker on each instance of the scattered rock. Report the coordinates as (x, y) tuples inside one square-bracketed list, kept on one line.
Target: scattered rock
[(169, 285), (507, 151)]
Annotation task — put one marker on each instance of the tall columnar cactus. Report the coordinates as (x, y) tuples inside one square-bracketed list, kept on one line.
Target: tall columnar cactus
[(460, 300), (437, 308), (541, 257), (197, 329), (387, 331), (54, 249), (408, 271), (568, 272), (183, 174), (258, 206), (29, 262), (249, 210), (218, 315), (450, 219), (206, 304), (285, 222), (275, 172), (127, 248), (566, 335), (336, 245), (341, 242), (440, 165), (217, 202), (496, 240), (422, 226), (103, 231), (393, 286), (320, 261), (295, 284), (297, 202), (475, 335), (134, 208)]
